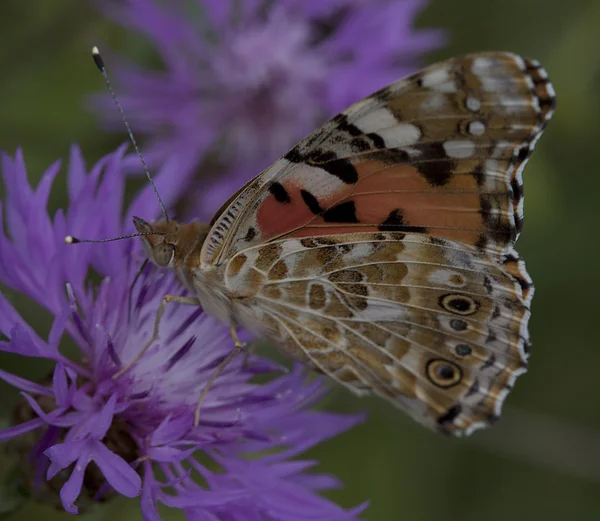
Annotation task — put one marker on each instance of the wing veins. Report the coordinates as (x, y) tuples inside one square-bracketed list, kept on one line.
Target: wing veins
[(280, 318), (394, 303), (335, 347), (300, 310), (368, 341)]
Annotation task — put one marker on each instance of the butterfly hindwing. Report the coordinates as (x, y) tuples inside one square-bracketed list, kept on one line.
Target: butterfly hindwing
[(440, 152), (437, 328)]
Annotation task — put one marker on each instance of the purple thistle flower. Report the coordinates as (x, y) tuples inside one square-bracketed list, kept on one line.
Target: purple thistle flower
[(133, 435), (245, 80)]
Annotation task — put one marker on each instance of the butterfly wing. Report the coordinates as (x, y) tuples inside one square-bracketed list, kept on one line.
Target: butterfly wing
[(434, 326), (440, 152), (380, 248)]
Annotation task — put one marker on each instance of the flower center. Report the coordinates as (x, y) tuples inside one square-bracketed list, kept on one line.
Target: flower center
[(273, 84)]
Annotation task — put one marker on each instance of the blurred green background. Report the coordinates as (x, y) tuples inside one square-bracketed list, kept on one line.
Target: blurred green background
[(542, 460)]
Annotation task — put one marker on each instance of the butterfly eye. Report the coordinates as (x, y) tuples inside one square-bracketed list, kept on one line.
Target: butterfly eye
[(163, 254), (459, 304), (443, 373)]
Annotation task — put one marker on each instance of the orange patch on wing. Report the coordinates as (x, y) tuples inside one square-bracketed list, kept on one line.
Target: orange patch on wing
[(274, 218), (451, 211)]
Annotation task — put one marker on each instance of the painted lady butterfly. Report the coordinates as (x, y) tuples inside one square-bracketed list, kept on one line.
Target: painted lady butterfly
[(379, 250)]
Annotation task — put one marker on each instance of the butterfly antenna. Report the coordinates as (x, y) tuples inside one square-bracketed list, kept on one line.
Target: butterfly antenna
[(69, 239), (102, 68)]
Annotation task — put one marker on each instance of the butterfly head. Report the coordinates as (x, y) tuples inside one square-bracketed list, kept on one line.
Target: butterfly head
[(168, 244)]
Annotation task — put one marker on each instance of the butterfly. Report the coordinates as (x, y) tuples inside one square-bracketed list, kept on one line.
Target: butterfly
[(380, 249)]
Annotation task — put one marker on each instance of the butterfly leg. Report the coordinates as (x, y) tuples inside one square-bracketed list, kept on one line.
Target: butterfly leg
[(189, 301), (239, 346)]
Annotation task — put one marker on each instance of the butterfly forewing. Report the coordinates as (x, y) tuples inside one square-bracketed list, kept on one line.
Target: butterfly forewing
[(379, 250), (440, 152)]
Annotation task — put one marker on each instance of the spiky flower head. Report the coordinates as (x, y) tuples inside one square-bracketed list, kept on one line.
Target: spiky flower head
[(242, 81), (84, 436)]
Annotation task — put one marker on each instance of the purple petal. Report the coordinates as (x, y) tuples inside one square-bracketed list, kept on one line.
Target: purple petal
[(57, 329), (60, 386), (23, 340), (21, 428), (117, 471), (72, 488), (171, 429), (62, 455), (203, 498), (148, 500), (52, 418), (103, 419), (318, 481), (169, 454), (24, 385), (290, 468)]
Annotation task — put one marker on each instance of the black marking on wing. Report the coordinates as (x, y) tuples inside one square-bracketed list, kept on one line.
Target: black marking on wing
[(343, 169), (481, 243), (524, 153), (280, 193), (327, 160), (395, 223), (341, 213), (377, 140), (489, 362), (390, 156), (341, 120), (450, 415), (311, 201), (499, 230), (487, 284), (479, 175), (437, 167), (294, 155), (474, 389)]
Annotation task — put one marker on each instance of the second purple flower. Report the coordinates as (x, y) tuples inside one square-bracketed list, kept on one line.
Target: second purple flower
[(244, 81)]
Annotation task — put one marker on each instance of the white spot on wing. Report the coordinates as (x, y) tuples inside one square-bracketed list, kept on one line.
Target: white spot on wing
[(435, 77), (449, 278), (376, 120), (473, 104), (378, 311), (434, 102), (493, 171), (515, 105), (403, 134), (359, 251), (550, 89), (322, 183), (459, 148), (477, 128)]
